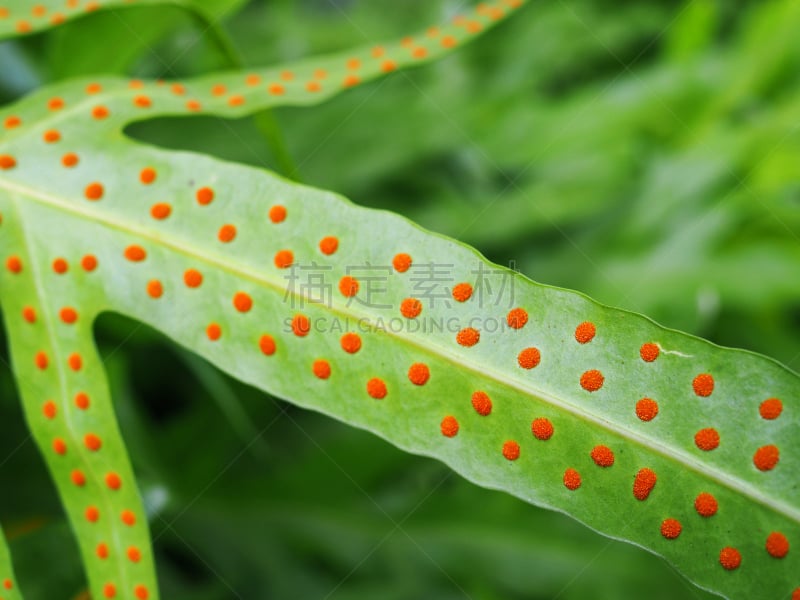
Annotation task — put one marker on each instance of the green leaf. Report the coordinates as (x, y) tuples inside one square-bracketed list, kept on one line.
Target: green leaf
[(8, 583), (21, 17), (521, 387), (54, 285)]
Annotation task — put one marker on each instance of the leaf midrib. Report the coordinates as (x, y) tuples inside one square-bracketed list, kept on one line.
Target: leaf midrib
[(457, 361)]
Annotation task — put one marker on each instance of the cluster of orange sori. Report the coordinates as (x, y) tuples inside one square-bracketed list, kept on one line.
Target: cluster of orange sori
[(237, 91), (69, 442), (543, 429)]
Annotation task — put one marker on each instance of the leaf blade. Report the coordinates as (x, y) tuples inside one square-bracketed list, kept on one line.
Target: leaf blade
[(413, 409)]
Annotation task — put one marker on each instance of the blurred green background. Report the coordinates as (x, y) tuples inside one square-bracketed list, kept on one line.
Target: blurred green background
[(644, 153)]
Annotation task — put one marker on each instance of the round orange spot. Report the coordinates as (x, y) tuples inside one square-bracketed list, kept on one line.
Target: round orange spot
[(474, 26), (160, 210), (449, 426), (74, 361), (12, 121), (60, 266), (101, 551), (147, 175), (707, 439), (242, 302), (70, 159), (671, 528), (378, 51), (135, 253), (462, 292), (218, 90), (351, 342), (59, 446), (705, 504), (511, 450), (142, 101), (401, 262), (766, 458), (468, 337), (730, 558), (770, 408), (321, 368), (703, 384), (602, 456), (93, 191), (284, 259), (387, 66), (94, 88), (113, 481), (351, 80), (82, 400), (192, 278), (643, 483), (154, 288), (252, 80), (301, 325), (193, 105), (29, 314), (410, 308), (236, 100), (177, 89), (646, 409), (313, 86), (287, 75), (777, 545), (572, 479), (348, 286), (226, 233), (140, 591), (7, 161), (89, 263), (529, 358), (128, 518), (481, 403), (328, 245), (267, 344), (419, 52), (213, 331), (41, 360), (585, 332), (419, 374), (517, 318), (68, 315), (51, 136), (276, 89), (204, 196), (448, 41), (92, 442), (78, 478), (14, 264), (49, 409), (92, 514), (542, 429), (376, 388), (100, 112), (277, 214), (592, 380), (649, 352)]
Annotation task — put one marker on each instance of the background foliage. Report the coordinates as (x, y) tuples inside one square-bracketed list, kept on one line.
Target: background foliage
[(643, 153)]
